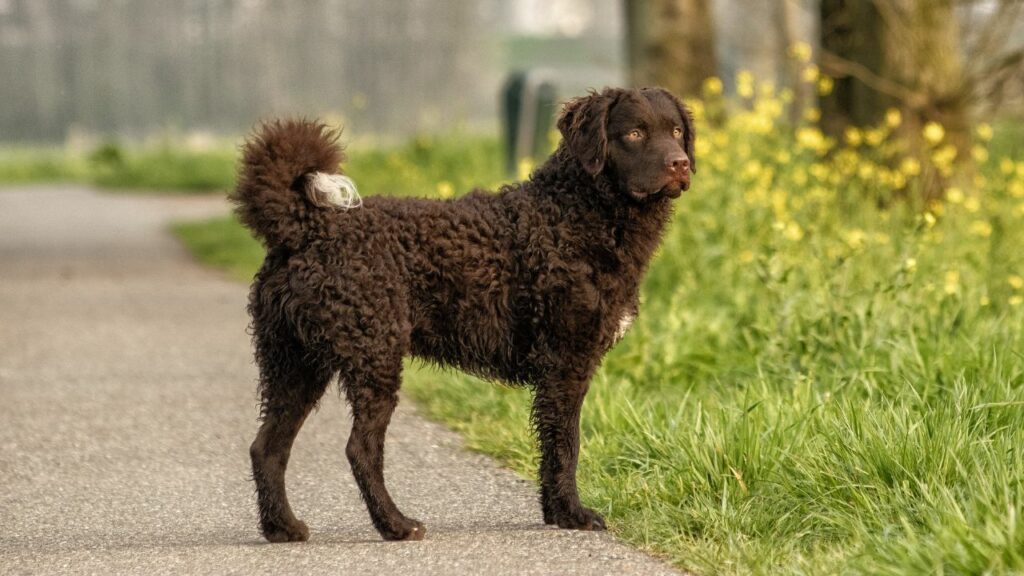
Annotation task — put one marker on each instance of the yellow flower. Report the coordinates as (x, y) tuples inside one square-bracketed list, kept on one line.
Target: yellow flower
[(825, 85), (910, 264), (984, 131), (893, 118), (445, 189), (814, 114), (910, 166), (820, 171), (800, 51), (1006, 166), (933, 132), (812, 139), (1016, 300), (952, 282), (794, 232), (744, 84), (810, 73), (981, 228), (874, 137), (746, 257), (899, 181), (524, 168), (713, 86), (980, 154), (853, 136), (1016, 282), (943, 158), (984, 301), (929, 219), (955, 195), (973, 205), (855, 238), (1017, 189)]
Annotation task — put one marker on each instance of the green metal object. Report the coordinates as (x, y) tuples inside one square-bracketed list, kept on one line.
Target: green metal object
[(529, 102)]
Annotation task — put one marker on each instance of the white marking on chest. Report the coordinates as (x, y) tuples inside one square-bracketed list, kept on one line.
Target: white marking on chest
[(336, 190), (624, 323)]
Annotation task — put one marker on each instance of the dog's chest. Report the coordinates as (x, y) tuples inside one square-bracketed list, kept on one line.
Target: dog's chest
[(625, 322)]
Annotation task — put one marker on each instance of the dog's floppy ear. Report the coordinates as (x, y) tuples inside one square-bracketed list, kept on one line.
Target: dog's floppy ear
[(689, 134), (584, 127)]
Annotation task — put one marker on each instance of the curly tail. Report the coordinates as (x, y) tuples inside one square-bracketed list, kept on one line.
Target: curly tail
[(289, 182)]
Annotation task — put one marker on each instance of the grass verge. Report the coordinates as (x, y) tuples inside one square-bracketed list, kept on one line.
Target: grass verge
[(421, 166), (41, 165)]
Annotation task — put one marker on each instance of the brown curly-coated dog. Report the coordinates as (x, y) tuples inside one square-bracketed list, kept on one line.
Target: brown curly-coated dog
[(530, 285)]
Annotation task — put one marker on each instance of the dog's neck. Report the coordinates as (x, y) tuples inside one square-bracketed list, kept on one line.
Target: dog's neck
[(631, 229)]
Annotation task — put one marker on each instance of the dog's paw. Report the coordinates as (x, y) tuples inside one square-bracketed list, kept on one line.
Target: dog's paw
[(405, 529), (578, 519), (297, 532)]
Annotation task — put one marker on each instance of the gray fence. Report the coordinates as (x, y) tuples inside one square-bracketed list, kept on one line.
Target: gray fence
[(388, 67)]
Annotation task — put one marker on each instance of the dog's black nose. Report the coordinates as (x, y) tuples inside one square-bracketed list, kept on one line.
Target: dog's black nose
[(677, 163)]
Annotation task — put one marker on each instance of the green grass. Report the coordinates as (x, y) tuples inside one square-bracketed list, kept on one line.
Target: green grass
[(163, 168), (40, 165), (223, 244)]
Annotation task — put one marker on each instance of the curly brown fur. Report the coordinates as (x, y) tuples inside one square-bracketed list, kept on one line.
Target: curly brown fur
[(530, 285)]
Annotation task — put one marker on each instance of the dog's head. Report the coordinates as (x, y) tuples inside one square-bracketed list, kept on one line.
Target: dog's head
[(641, 139)]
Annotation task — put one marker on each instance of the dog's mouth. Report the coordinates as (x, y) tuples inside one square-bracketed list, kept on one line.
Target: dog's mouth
[(673, 189)]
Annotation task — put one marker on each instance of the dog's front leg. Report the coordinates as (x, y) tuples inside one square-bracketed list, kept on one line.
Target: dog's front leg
[(556, 417)]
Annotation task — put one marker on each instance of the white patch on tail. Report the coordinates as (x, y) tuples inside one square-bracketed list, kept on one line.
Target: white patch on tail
[(332, 190)]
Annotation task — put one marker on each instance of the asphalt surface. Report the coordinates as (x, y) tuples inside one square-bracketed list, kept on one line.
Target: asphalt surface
[(127, 405)]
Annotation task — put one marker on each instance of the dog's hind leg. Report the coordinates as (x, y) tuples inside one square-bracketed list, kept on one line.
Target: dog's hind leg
[(372, 391), (291, 385)]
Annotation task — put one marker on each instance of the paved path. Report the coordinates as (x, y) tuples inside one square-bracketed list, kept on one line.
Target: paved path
[(127, 404)]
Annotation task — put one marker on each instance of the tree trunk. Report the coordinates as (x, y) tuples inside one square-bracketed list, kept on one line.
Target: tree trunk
[(787, 23), (671, 44), (852, 31), (903, 54), (930, 64)]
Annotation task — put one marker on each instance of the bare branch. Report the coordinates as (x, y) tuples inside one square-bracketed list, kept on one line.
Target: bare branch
[(839, 67)]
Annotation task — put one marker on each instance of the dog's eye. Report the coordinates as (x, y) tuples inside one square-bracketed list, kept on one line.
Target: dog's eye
[(677, 132), (634, 135)]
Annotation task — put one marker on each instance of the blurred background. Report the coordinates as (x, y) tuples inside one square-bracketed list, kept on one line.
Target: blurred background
[(133, 68)]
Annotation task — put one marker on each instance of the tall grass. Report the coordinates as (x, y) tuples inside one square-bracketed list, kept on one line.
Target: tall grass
[(821, 380)]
